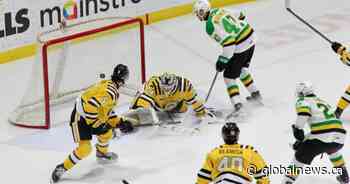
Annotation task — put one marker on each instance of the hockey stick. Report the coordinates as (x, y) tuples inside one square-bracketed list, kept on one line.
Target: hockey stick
[(152, 124), (211, 86), (287, 4), (125, 182)]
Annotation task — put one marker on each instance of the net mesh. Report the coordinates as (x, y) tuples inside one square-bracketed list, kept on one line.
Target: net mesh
[(77, 56)]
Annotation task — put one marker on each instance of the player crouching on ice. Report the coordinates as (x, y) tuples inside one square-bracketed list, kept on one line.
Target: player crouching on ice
[(233, 162), (93, 115), (327, 133), (236, 37), (171, 94)]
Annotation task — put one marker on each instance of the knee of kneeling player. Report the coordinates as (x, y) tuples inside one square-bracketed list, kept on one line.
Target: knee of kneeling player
[(84, 149), (104, 138)]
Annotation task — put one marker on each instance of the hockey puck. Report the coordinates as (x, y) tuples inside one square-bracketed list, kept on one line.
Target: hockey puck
[(102, 75)]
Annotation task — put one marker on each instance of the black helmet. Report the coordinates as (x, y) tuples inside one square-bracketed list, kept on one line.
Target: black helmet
[(230, 133), (120, 73)]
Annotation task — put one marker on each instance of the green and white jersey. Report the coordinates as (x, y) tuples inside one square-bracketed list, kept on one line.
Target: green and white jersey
[(321, 119), (225, 28)]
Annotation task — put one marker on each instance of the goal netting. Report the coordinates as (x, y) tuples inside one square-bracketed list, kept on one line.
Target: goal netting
[(75, 56)]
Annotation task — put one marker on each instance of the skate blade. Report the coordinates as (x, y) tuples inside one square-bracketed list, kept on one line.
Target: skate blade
[(106, 162)]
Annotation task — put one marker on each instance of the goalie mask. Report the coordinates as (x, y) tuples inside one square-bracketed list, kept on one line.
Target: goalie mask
[(230, 133), (168, 83), (201, 9), (304, 88)]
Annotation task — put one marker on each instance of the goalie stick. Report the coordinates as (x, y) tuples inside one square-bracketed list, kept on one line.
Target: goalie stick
[(287, 5)]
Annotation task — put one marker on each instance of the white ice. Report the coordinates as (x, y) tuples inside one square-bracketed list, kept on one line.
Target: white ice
[(286, 52)]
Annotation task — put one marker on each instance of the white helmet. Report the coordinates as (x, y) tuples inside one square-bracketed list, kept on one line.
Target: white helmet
[(304, 88), (168, 83), (201, 8)]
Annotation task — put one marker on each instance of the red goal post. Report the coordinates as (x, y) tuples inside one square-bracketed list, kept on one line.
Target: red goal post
[(35, 110)]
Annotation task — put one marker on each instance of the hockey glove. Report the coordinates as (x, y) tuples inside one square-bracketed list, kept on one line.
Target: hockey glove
[(125, 126), (102, 129), (221, 63), (241, 16), (296, 145), (338, 48), (298, 133)]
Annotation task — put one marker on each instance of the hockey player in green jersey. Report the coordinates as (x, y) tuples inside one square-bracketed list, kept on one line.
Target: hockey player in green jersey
[(327, 134), (236, 37)]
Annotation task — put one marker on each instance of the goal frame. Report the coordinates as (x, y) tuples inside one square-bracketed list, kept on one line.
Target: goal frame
[(60, 40)]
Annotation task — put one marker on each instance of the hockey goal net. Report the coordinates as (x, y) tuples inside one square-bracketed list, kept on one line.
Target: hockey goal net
[(73, 57)]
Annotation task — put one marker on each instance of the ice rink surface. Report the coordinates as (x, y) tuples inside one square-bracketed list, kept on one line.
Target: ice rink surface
[(286, 52)]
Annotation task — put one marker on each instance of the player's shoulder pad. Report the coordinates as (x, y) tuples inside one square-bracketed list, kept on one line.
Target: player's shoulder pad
[(186, 84), (152, 85), (213, 11), (249, 147)]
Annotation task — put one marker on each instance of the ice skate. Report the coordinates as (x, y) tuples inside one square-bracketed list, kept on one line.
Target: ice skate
[(255, 97), (107, 158), (57, 173), (237, 111)]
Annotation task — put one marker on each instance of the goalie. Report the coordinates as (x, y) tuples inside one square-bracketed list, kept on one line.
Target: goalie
[(93, 115), (344, 101), (171, 94)]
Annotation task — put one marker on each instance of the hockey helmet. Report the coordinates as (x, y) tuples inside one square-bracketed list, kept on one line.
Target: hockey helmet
[(168, 82), (120, 74), (201, 9), (230, 133), (304, 88)]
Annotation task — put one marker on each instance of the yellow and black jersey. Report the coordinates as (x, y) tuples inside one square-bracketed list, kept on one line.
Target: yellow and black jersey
[(234, 164), (96, 104), (154, 96), (344, 55)]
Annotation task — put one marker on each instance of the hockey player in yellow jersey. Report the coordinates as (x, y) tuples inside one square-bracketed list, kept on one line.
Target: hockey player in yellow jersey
[(232, 162), (172, 94), (327, 134), (93, 115), (344, 100)]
